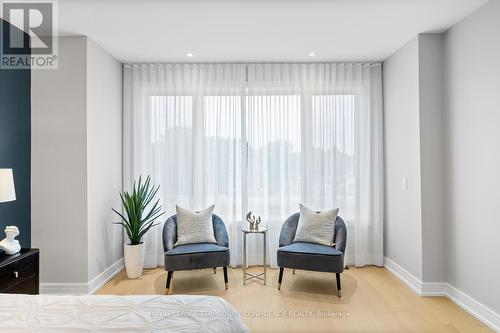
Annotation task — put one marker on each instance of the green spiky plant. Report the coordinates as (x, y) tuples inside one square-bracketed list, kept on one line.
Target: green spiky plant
[(135, 220)]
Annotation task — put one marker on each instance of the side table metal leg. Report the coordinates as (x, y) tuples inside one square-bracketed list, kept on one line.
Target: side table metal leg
[(265, 250), (244, 258)]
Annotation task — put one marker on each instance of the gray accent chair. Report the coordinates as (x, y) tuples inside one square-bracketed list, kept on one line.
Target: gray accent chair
[(309, 256), (195, 256)]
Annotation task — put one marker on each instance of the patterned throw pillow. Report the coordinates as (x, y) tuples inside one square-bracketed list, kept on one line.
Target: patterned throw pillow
[(194, 227), (316, 227)]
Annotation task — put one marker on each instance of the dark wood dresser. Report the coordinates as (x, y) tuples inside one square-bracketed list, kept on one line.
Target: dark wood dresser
[(19, 273)]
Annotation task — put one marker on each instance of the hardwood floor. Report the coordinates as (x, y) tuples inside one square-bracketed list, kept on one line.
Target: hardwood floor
[(373, 300)]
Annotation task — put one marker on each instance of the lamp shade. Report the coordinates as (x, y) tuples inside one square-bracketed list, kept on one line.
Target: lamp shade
[(7, 190)]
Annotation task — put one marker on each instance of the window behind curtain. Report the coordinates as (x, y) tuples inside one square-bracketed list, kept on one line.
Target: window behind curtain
[(273, 146), (171, 132), (332, 152), (274, 154), (222, 164), (172, 137)]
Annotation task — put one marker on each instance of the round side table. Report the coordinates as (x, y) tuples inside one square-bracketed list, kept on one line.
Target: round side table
[(248, 276)]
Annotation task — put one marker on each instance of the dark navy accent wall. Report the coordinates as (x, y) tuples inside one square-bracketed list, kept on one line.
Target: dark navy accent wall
[(15, 147)]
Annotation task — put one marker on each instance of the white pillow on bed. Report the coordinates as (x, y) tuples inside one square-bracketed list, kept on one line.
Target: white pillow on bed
[(314, 227), (194, 227)]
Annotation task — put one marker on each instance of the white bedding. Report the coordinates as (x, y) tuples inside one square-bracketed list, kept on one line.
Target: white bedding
[(123, 314)]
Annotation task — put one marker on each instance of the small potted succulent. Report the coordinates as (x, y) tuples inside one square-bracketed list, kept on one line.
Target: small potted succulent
[(138, 217)]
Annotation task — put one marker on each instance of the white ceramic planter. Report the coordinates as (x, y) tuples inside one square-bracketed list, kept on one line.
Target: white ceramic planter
[(134, 260)]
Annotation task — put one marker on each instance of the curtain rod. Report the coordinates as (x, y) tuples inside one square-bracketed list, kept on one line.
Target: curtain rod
[(371, 64)]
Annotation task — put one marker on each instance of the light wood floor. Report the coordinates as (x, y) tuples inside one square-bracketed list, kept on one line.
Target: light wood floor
[(373, 300)]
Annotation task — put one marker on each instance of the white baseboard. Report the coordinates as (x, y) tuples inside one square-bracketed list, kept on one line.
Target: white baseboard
[(469, 304), (430, 289), (83, 288), (101, 279), (405, 276), (477, 309), (64, 288)]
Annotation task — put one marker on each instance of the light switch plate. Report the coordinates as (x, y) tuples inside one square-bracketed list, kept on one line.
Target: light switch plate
[(405, 183)]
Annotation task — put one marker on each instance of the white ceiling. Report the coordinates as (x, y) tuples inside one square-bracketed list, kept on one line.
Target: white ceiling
[(258, 30)]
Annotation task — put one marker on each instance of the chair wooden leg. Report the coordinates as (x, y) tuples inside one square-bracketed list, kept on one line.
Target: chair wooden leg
[(293, 272), (169, 278), (225, 276), (280, 278), (215, 270), (339, 289)]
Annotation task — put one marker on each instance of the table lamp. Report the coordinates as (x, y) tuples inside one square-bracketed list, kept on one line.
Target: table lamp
[(7, 190)]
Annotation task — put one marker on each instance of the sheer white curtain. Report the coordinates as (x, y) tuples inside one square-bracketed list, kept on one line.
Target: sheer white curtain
[(182, 126), (315, 136), (260, 137)]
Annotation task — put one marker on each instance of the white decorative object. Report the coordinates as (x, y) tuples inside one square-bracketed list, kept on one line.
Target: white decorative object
[(10, 245), (134, 260)]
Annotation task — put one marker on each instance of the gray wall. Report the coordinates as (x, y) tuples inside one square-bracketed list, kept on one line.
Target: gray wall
[(104, 157), (455, 120), (413, 121), (76, 159), (472, 118), (59, 177), (402, 224), (430, 59)]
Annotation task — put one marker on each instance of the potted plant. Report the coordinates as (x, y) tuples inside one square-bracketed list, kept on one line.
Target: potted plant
[(138, 217)]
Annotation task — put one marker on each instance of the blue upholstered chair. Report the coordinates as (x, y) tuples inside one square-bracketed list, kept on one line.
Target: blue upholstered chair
[(195, 256), (309, 256)]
